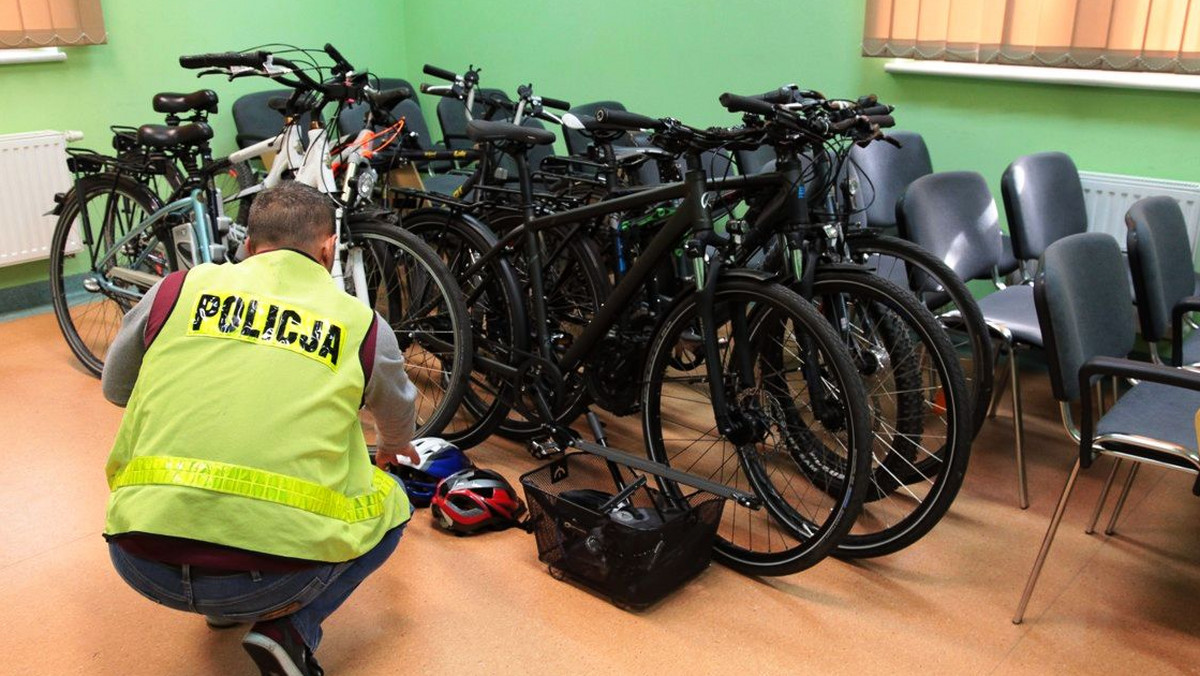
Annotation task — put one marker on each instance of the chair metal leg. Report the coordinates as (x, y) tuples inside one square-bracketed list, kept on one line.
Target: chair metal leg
[(1001, 381), (1103, 497), (1112, 521), (1018, 428), (1046, 542)]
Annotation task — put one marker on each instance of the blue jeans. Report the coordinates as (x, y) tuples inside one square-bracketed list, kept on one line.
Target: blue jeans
[(306, 597)]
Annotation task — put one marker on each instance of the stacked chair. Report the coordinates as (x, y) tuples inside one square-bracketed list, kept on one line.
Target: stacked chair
[(954, 217), (1086, 314)]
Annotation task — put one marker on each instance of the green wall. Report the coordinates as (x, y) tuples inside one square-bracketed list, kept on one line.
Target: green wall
[(661, 57), (112, 84), (674, 57)]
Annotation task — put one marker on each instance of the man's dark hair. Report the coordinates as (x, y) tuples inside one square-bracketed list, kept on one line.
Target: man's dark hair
[(291, 214)]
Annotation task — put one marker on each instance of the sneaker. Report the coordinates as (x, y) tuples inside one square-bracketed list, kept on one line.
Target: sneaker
[(220, 622), (278, 650)]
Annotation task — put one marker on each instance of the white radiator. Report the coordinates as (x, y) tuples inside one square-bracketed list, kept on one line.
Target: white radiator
[(1109, 196), (33, 166)]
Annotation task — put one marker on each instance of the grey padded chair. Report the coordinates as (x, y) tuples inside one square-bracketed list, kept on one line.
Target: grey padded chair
[(577, 142), (953, 216), (453, 120), (350, 121), (884, 172), (255, 121), (1160, 256), (1043, 198), (1086, 315), (754, 161)]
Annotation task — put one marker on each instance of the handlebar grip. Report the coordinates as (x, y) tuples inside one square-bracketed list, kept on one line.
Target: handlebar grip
[(555, 103), (842, 125), (744, 104), (336, 55), (621, 118), (876, 110), (388, 98), (439, 72), (781, 95), (224, 60), (882, 121)]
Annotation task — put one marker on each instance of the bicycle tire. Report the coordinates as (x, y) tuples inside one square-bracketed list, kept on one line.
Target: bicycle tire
[(497, 317), (579, 252), (442, 326), (568, 315), (99, 318), (952, 294), (921, 422), (798, 535)]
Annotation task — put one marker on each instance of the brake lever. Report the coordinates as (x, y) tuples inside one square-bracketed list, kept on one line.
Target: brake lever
[(242, 72), (213, 71)]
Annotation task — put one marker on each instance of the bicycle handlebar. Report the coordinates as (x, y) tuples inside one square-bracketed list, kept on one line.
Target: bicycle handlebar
[(439, 73), (745, 104), (557, 104), (338, 59), (224, 60), (622, 118), (781, 95), (876, 110)]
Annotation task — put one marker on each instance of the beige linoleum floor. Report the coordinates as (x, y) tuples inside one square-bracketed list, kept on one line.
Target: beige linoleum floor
[(1128, 604)]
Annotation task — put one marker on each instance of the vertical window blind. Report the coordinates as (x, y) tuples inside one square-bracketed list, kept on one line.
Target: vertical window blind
[(50, 23), (1134, 35)]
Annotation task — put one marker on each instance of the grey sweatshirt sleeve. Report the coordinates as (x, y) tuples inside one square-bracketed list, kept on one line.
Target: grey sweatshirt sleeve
[(390, 395), (124, 358)]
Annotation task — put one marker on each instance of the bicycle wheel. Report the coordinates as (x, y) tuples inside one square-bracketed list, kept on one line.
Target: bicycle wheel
[(497, 317), (91, 291), (800, 372), (920, 412), (950, 300), (576, 285), (409, 285)]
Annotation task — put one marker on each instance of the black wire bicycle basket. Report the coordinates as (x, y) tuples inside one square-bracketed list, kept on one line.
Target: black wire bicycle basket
[(599, 525)]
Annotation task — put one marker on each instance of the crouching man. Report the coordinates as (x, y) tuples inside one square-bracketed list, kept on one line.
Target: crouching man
[(241, 485)]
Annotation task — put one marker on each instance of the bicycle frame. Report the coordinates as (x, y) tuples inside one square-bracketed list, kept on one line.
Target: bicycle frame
[(691, 216), (200, 229)]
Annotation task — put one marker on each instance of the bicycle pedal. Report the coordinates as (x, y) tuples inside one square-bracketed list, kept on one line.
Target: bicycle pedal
[(544, 448)]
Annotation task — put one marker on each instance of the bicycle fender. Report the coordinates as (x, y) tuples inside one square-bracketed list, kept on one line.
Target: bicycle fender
[(845, 266), (374, 214), (476, 224), (747, 273)]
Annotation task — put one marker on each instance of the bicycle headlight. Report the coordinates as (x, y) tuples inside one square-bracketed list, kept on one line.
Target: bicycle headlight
[(366, 182)]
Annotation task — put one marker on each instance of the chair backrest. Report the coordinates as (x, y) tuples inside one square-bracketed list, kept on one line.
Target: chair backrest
[(1161, 258), (577, 143), (1084, 307), (453, 121), (255, 121), (351, 121), (953, 216), (885, 171), (1044, 201), (754, 161)]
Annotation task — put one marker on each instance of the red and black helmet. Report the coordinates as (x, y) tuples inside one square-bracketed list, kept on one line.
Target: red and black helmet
[(476, 499)]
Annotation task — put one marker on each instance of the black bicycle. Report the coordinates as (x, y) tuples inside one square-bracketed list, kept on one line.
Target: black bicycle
[(752, 346)]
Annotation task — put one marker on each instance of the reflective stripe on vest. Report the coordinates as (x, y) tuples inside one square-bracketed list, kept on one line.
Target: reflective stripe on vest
[(258, 484)]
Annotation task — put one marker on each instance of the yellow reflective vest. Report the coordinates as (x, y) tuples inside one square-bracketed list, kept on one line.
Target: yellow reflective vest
[(242, 429)]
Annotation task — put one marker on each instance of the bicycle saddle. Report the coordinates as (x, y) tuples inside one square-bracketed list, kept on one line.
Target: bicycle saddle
[(482, 130), (204, 100), (162, 136)]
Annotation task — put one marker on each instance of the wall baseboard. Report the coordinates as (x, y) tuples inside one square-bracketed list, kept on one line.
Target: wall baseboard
[(24, 297)]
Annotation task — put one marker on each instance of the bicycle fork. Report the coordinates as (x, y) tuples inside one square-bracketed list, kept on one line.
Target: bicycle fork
[(731, 422)]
